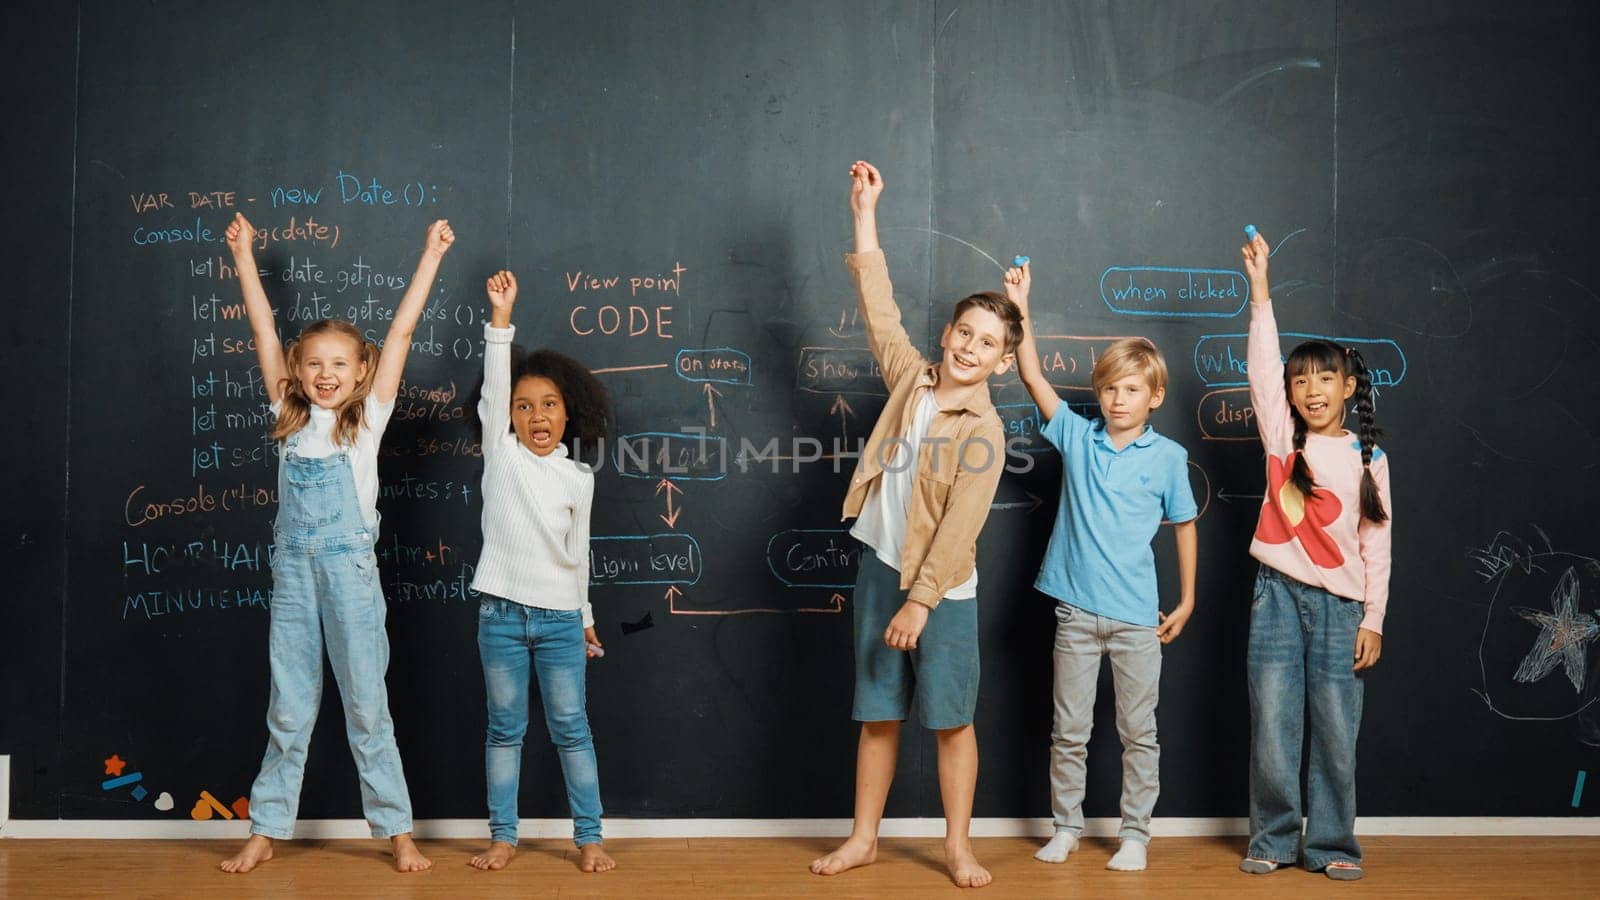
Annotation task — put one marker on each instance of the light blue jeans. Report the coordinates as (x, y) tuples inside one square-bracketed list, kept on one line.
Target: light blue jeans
[(1082, 638), (511, 638), (1301, 675), (325, 591)]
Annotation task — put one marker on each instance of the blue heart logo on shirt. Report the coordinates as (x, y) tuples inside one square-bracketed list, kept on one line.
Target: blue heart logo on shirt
[(1144, 479)]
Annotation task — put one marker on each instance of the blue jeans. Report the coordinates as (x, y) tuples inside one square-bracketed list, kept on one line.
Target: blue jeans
[(325, 591), (510, 637), (1301, 675)]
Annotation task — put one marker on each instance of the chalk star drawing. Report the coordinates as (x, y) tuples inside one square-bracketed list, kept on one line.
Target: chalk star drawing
[(115, 765), (1525, 575), (1563, 636)]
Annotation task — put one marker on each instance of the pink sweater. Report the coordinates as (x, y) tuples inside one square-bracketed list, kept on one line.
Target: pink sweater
[(1322, 541)]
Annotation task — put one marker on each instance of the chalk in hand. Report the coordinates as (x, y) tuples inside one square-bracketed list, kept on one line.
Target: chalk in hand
[(1249, 232), (596, 650), (1019, 260)]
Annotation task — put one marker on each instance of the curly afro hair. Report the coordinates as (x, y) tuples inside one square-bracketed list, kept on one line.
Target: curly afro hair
[(588, 404)]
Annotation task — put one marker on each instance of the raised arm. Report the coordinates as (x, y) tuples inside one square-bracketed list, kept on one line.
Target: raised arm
[(494, 403), (397, 346), (885, 335), (269, 350), (1263, 355), (1019, 282)]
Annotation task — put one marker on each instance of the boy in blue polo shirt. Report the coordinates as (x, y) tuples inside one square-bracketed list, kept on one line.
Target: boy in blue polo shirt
[(1119, 480)]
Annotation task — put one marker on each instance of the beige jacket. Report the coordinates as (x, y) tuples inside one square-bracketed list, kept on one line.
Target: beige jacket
[(952, 496)]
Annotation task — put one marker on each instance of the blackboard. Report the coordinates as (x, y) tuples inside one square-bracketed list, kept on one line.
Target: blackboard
[(668, 181)]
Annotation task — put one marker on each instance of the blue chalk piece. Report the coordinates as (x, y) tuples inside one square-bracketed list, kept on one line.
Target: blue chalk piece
[(112, 784), (1250, 232), (139, 793), (1577, 789), (1018, 260)]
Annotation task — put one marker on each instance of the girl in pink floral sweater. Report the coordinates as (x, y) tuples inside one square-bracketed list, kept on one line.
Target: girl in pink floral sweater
[(1316, 618)]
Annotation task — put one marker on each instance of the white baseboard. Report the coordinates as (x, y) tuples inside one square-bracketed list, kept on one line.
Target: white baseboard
[(5, 791), (533, 829)]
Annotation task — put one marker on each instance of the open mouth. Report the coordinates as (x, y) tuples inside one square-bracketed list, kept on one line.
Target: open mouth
[(326, 392), (540, 437)]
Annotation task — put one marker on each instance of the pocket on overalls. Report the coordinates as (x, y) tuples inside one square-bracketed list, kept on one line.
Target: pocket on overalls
[(310, 495), (488, 610), (365, 562), (1064, 612)]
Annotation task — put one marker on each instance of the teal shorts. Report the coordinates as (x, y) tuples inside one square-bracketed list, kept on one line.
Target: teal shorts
[(941, 675)]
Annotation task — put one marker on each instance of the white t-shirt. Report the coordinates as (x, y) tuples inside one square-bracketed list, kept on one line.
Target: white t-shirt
[(882, 522), (315, 441)]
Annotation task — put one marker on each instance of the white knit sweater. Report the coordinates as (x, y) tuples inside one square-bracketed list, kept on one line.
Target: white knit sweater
[(535, 508)]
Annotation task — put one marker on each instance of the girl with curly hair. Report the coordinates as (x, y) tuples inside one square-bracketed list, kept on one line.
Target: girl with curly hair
[(537, 410)]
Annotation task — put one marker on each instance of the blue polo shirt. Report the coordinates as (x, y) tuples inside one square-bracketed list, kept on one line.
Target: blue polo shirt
[(1112, 502)]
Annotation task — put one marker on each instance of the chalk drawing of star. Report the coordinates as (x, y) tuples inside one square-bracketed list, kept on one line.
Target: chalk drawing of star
[(114, 765), (1564, 635)]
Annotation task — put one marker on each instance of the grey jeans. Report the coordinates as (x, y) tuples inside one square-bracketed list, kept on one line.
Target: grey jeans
[(1081, 639)]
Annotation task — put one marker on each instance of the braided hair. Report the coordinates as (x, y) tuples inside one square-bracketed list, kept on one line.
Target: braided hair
[(1322, 356)]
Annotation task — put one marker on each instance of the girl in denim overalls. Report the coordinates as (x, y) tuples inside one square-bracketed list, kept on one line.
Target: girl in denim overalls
[(1316, 618), (537, 413), (331, 396)]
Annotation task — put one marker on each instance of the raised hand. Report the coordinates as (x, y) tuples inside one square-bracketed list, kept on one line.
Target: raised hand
[(866, 186), (502, 290), (440, 237), (1255, 252), (241, 235), (1019, 281)]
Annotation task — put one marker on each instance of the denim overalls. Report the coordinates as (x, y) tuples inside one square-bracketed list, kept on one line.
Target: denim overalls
[(325, 587)]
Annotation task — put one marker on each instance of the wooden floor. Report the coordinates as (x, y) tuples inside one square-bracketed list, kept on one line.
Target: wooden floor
[(662, 869)]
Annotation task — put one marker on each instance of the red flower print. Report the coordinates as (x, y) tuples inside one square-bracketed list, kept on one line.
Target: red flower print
[(1288, 514)]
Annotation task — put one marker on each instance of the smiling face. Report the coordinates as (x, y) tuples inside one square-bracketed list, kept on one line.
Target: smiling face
[(1318, 395), (538, 414), (1126, 402), (331, 366), (974, 347)]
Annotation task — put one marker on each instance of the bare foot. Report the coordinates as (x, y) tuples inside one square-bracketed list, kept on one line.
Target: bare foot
[(496, 857), (407, 858), (853, 852), (594, 858), (256, 851), (965, 870)]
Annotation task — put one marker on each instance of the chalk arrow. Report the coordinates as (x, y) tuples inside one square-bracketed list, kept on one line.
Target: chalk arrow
[(1227, 497), (671, 518), (842, 407), (1030, 504), (711, 404)]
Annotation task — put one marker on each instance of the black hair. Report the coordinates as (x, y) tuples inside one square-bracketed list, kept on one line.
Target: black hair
[(1326, 356), (587, 402)]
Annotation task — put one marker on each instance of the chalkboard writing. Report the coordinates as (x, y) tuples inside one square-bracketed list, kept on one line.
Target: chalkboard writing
[(667, 181)]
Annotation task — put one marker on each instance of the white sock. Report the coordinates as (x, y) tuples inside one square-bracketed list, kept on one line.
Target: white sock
[(1056, 851), (1130, 857)]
